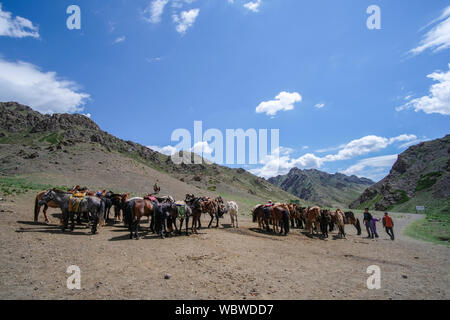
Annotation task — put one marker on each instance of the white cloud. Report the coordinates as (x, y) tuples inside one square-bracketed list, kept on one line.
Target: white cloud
[(155, 10), (17, 27), (253, 5), (185, 20), (320, 105), (202, 147), (438, 38), (280, 163), (374, 168), (167, 150), (438, 100), (120, 39), (284, 101), (402, 138), (43, 91)]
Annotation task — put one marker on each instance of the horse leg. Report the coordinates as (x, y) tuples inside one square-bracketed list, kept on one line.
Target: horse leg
[(187, 224), (210, 222), (72, 220), (94, 225), (137, 228), (217, 220), (47, 220)]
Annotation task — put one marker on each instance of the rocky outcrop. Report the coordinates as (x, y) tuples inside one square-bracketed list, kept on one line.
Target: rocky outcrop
[(421, 169)]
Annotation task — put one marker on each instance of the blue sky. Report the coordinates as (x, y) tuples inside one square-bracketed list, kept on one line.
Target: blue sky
[(350, 98)]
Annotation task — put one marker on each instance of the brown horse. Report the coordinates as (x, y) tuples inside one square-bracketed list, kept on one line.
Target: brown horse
[(280, 218), (195, 205), (37, 207), (258, 215), (338, 218), (312, 217), (351, 219), (136, 209)]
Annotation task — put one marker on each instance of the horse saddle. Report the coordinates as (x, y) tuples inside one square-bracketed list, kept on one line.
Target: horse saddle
[(74, 203), (181, 210)]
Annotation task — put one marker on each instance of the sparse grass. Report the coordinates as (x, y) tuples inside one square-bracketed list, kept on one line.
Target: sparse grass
[(433, 228), (370, 203), (427, 181), (14, 186)]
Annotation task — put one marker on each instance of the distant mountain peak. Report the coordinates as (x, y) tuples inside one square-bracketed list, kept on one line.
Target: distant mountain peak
[(321, 187)]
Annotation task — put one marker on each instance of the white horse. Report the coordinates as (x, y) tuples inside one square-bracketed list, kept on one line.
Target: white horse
[(233, 209)]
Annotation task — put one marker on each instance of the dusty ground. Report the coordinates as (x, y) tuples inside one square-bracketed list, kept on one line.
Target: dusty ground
[(219, 263)]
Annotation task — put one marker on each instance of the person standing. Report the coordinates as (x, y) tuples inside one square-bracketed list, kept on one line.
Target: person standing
[(388, 224), (367, 221), (373, 226)]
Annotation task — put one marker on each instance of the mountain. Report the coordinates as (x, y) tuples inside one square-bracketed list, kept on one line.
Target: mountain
[(321, 188), (419, 177), (70, 149)]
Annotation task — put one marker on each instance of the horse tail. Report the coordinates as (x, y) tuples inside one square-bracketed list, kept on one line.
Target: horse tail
[(36, 208), (254, 215), (128, 214), (358, 226)]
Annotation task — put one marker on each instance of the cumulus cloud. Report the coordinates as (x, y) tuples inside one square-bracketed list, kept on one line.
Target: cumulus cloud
[(16, 27), (43, 91), (185, 20), (155, 10), (253, 5), (167, 150), (438, 38), (374, 168), (279, 163), (284, 101), (438, 100)]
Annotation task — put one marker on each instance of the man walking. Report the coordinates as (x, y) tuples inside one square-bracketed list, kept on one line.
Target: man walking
[(388, 224), (367, 221)]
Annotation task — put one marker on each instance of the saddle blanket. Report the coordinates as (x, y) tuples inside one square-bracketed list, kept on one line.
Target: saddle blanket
[(74, 203)]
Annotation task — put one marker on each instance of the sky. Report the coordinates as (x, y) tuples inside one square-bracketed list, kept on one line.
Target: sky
[(345, 97)]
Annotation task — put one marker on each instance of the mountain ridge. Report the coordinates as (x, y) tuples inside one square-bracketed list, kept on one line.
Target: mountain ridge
[(322, 188)]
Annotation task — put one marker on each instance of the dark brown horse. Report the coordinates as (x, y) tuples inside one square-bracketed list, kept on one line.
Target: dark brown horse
[(280, 218), (135, 210), (351, 219), (195, 205), (258, 216)]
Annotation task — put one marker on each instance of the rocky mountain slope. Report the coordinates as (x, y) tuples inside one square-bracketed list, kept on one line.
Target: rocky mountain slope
[(330, 190), (419, 177), (68, 149)]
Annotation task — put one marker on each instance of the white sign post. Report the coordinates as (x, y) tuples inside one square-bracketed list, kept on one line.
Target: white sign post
[(420, 208)]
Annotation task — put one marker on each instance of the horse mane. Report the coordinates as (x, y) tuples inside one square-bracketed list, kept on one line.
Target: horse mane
[(59, 191)]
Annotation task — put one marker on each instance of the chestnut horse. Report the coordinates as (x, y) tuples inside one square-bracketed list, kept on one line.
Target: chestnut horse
[(312, 215), (258, 215), (136, 209), (280, 218), (338, 218), (37, 206)]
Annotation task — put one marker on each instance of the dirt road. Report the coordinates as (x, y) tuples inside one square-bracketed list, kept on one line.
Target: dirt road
[(222, 263)]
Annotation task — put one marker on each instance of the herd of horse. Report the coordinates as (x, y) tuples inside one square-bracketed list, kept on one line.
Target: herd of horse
[(166, 216), (163, 213), (313, 219)]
